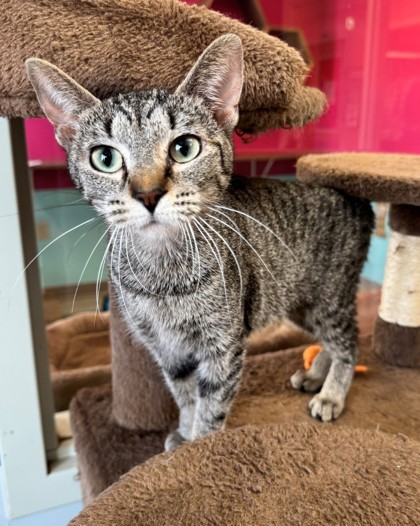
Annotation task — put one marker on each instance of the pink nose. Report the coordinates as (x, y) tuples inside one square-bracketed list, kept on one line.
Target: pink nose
[(149, 199)]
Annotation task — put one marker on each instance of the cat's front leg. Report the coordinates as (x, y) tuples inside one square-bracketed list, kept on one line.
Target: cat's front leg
[(183, 390), (328, 404), (218, 381)]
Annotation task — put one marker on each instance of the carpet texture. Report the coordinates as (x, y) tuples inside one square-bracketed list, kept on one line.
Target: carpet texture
[(271, 475), (385, 177), (282, 468), (79, 355), (384, 398), (112, 46)]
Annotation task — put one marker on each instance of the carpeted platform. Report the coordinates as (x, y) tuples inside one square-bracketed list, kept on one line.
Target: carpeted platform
[(113, 46), (273, 476), (286, 473), (385, 398), (79, 354)]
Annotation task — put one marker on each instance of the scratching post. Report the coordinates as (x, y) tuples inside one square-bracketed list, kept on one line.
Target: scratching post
[(397, 331), (392, 178)]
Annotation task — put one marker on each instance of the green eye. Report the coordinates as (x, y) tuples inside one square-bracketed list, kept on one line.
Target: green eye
[(106, 159), (185, 149)]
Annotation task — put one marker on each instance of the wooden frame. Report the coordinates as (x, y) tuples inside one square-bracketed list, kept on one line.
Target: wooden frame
[(34, 474)]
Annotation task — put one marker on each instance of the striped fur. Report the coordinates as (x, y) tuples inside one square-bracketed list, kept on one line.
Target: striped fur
[(220, 256)]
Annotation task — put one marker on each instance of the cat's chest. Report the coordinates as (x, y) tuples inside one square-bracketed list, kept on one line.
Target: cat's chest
[(172, 325)]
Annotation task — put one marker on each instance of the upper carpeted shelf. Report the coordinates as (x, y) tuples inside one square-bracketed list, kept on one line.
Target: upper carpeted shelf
[(112, 46)]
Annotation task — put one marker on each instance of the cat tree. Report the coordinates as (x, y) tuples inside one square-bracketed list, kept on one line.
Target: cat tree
[(294, 471)]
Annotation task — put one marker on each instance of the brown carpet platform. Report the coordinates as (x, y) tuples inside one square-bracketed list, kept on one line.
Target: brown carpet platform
[(395, 179), (79, 355), (272, 475), (355, 464), (385, 398), (112, 46)]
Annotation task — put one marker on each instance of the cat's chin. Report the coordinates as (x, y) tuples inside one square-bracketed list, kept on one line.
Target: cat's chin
[(155, 232)]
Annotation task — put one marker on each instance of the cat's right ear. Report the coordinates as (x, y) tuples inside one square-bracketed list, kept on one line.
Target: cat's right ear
[(217, 78), (61, 98)]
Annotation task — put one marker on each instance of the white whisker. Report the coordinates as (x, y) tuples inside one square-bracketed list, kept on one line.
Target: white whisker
[(216, 253), (256, 221), (233, 255), (131, 268), (84, 268), (248, 243), (185, 240), (100, 273), (80, 239), (198, 257), (119, 279), (44, 208), (49, 244), (193, 258)]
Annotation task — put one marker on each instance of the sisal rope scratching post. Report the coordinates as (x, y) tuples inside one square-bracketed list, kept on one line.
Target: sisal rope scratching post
[(395, 179), (397, 331)]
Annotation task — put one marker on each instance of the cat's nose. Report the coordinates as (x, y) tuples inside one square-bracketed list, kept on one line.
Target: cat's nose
[(149, 199)]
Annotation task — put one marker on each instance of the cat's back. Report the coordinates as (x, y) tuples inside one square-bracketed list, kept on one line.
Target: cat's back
[(306, 217), (294, 200), (312, 237)]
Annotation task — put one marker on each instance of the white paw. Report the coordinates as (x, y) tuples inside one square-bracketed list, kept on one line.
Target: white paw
[(297, 379), (325, 408), (174, 440), (302, 380)]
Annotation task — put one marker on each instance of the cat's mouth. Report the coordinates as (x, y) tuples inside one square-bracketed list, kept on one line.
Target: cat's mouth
[(153, 223), (153, 227)]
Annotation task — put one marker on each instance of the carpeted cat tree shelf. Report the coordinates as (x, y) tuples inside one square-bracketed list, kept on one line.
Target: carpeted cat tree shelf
[(112, 46), (274, 475), (79, 355), (292, 471)]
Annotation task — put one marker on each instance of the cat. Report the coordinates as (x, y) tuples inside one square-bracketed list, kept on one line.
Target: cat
[(199, 258)]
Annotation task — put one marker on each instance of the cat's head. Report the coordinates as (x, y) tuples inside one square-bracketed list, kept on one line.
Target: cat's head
[(149, 159)]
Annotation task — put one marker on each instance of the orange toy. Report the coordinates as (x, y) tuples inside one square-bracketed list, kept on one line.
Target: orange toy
[(310, 353)]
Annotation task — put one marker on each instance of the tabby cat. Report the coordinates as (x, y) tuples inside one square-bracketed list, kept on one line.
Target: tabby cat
[(199, 258)]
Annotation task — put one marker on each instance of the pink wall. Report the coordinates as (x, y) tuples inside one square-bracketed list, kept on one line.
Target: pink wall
[(40, 141), (366, 57)]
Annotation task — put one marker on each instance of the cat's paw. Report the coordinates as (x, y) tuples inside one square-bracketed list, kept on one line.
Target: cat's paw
[(302, 380), (174, 440), (325, 408)]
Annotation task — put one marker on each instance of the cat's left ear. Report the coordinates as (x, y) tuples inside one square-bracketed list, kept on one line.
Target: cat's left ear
[(61, 97), (217, 77)]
